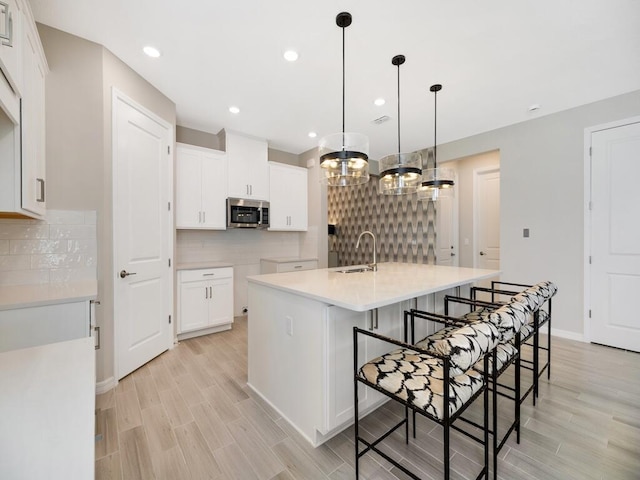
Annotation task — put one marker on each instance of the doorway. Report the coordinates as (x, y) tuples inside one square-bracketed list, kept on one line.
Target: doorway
[(142, 234), (614, 234), (486, 204)]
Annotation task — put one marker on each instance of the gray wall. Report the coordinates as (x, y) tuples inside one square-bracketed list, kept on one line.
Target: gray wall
[(79, 163), (542, 163)]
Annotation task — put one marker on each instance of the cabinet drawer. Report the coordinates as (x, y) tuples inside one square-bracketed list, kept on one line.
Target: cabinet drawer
[(297, 266), (205, 274)]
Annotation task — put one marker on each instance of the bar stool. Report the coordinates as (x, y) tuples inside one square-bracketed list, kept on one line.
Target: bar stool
[(509, 320), (421, 380)]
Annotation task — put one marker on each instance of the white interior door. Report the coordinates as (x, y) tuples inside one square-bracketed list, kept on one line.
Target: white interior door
[(615, 236), (142, 224), (487, 219), (446, 231)]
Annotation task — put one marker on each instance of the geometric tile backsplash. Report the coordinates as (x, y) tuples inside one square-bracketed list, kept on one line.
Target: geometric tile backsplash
[(404, 227)]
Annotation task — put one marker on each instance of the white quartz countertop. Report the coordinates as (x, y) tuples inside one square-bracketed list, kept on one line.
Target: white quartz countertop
[(392, 283), (47, 402), (23, 296), (199, 265)]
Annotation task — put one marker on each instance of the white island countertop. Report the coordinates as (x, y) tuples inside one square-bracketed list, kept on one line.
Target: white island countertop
[(362, 291), (47, 402)]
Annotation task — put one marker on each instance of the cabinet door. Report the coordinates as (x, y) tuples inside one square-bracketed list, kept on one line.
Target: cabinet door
[(214, 191), (33, 124), (194, 306), (10, 47), (221, 302), (288, 197), (248, 167), (339, 388), (188, 188)]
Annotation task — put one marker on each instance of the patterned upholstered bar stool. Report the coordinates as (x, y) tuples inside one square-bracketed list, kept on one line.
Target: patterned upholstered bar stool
[(509, 320), (538, 298), (439, 384)]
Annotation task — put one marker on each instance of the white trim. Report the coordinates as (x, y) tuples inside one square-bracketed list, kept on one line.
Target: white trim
[(476, 173), (588, 132), (106, 385), (567, 334), (117, 95)]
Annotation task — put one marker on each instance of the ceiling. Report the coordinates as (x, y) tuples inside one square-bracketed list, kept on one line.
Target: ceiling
[(495, 59)]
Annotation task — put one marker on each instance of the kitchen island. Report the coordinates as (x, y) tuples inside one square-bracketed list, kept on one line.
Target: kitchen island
[(300, 336)]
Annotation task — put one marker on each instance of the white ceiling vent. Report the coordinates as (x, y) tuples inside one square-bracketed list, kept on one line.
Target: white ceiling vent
[(382, 119)]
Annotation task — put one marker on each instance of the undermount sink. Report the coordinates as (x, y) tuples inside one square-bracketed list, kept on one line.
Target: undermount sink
[(355, 270)]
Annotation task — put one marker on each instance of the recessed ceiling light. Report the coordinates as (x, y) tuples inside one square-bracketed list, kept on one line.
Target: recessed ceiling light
[(151, 51), (291, 55), (313, 134), (234, 109), (379, 102)]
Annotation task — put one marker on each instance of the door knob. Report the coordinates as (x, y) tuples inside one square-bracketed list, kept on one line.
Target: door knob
[(124, 273), (482, 253)]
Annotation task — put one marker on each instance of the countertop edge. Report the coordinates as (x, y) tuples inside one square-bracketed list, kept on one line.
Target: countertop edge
[(15, 297)]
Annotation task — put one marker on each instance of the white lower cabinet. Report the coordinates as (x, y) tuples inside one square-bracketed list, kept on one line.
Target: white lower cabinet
[(339, 328), (42, 325), (275, 265), (205, 301)]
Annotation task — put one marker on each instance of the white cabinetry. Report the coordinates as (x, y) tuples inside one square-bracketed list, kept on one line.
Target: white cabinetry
[(41, 325), (248, 166), (205, 301), (281, 265), (288, 197), (33, 122), (22, 114), (201, 188)]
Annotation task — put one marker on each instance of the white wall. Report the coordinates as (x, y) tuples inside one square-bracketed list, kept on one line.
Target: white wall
[(542, 188)]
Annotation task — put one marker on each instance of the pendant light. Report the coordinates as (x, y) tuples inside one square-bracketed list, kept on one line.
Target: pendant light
[(344, 156), (400, 172), (436, 182)]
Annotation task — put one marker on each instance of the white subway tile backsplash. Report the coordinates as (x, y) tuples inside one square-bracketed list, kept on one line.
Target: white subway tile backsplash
[(24, 277), (34, 247), (62, 248), (72, 231), (65, 217), (18, 231), (15, 262)]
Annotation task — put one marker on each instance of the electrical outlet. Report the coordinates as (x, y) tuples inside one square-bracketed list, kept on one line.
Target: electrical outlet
[(525, 232), (289, 325)]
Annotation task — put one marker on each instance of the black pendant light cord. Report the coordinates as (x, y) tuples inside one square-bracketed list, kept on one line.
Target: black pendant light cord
[(399, 109), (435, 89), (343, 84)]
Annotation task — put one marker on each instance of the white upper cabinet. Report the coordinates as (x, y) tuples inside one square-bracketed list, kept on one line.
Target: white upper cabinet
[(248, 167), (288, 197), (23, 68), (201, 188), (33, 122)]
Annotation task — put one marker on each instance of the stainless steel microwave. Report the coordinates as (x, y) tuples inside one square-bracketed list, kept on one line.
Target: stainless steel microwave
[(243, 213)]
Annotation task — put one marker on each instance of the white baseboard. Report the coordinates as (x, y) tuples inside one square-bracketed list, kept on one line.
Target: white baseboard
[(566, 334), (106, 385)]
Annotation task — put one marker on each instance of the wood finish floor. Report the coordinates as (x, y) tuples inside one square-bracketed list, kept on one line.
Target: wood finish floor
[(188, 414)]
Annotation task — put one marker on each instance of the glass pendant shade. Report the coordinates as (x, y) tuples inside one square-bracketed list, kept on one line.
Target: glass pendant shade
[(344, 156), (400, 173), (437, 183), (344, 159)]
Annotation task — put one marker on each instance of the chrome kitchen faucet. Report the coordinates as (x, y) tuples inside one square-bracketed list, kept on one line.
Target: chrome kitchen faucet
[(374, 265)]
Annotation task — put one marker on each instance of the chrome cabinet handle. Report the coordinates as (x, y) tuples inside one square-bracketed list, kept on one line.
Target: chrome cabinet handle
[(124, 273), (206, 292), (41, 182)]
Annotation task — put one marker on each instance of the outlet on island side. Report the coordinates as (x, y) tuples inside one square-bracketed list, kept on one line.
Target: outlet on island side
[(289, 325), (245, 310)]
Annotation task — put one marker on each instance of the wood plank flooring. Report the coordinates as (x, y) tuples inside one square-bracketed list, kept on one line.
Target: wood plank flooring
[(188, 414)]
